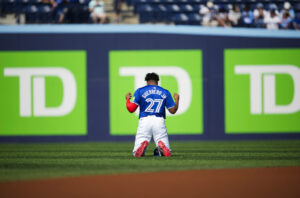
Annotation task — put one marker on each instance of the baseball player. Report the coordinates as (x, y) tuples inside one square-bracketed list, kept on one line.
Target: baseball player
[(152, 100)]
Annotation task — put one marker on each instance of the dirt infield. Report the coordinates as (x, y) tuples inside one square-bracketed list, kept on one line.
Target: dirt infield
[(233, 183)]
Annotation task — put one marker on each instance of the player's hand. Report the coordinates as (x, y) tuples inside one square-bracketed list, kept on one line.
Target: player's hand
[(128, 96), (176, 96)]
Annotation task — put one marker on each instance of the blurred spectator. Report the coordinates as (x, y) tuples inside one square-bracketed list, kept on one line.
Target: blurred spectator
[(286, 21), (273, 6), (209, 14), (222, 17), (96, 8), (58, 9), (259, 15), (212, 13), (234, 15), (247, 16), (287, 8), (272, 20), (296, 22)]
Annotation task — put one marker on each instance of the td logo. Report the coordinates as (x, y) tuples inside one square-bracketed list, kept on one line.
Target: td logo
[(262, 91), (262, 77), (38, 74), (43, 93), (179, 70)]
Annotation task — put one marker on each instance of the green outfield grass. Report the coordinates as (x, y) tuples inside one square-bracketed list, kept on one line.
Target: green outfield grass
[(35, 161)]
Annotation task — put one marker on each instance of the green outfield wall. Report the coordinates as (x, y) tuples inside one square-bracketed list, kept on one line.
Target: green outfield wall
[(71, 86)]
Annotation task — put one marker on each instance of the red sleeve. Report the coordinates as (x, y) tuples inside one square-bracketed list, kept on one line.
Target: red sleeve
[(131, 107)]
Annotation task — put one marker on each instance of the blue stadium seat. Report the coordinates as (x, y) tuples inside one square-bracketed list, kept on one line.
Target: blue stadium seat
[(187, 8), (194, 19), (221, 1), (181, 1), (197, 7), (44, 14), (8, 6), (265, 1), (155, 1), (297, 7), (162, 8), (23, 4), (84, 2), (31, 14), (162, 14), (32, 2), (180, 19), (146, 13), (84, 14), (142, 1), (129, 2), (168, 1), (173, 8), (240, 1)]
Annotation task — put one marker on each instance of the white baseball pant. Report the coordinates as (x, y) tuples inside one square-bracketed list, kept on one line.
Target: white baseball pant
[(151, 126)]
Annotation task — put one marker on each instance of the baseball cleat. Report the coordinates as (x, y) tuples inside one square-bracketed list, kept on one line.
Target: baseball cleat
[(165, 150), (142, 149)]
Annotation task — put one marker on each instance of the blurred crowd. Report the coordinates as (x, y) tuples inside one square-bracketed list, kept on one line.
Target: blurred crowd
[(258, 15), (61, 11), (270, 17), (96, 9)]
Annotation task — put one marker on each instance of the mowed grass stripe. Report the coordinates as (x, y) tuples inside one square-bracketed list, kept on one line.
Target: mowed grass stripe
[(49, 160)]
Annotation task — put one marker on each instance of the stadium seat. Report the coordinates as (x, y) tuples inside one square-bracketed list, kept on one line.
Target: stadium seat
[(34, 1), (146, 13), (162, 14), (22, 5), (169, 1), (31, 14), (44, 14), (173, 8), (194, 19), (129, 2), (84, 15), (8, 6), (180, 19), (181, 1), (155, 1), (142, 2), (297, 7), (186, 8), (197, 7), (84, 2), (221, 1)]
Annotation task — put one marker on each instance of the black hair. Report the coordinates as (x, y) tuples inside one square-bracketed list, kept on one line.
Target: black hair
[(152, 76)]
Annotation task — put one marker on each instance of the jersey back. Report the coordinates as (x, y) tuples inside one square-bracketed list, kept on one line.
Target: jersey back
[(153, 100)]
